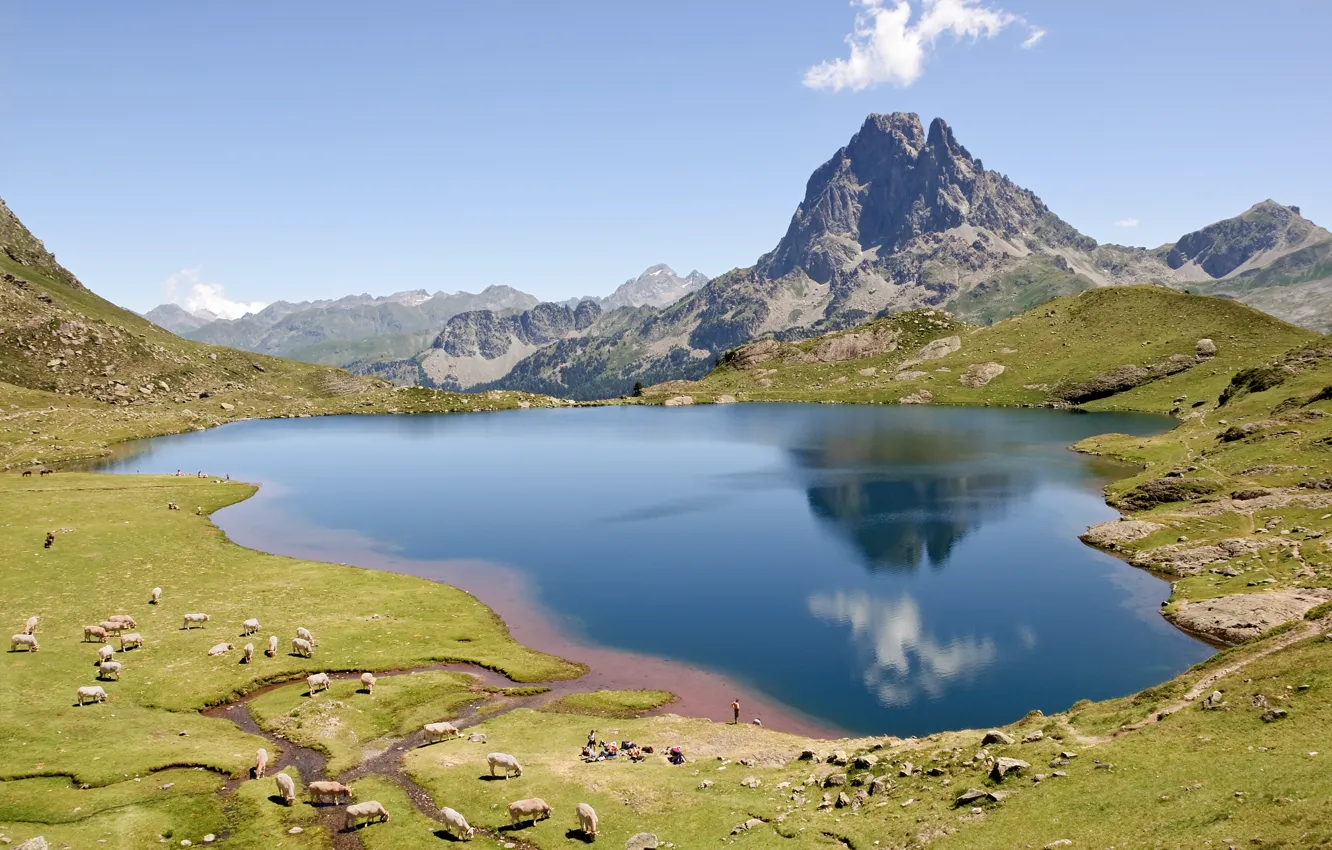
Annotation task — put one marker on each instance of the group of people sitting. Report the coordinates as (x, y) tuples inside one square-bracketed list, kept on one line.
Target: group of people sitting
[(605, 750)]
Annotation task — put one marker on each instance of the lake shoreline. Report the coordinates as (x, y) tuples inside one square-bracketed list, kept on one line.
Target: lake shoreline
[(700, 693)]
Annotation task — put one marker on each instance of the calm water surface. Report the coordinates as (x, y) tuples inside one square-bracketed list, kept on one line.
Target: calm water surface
[(884, 569)]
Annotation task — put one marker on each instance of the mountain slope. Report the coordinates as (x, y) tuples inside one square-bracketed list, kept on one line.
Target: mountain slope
[(904, 218), (658, 286)]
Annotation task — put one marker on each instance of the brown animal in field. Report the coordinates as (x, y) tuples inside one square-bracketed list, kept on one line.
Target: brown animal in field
[(27, 473), (50, 538), (48, 471)]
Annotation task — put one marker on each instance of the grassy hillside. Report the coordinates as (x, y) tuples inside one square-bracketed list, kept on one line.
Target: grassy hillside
[(78, 373)]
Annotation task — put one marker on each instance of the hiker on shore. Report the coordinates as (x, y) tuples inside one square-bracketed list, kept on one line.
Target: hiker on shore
[(735, 708), (50, 538), (592, 739)]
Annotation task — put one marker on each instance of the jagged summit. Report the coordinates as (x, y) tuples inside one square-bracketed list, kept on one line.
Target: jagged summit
[(893, 183)]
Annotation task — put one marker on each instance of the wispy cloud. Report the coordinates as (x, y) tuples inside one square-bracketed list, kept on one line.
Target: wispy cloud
[(1127, 222), (889, 44), (188, 289)]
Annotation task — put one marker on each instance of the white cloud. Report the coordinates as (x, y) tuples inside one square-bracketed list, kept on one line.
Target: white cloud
[(906, 661), (888, 46), (205, 299), (1127, 222)]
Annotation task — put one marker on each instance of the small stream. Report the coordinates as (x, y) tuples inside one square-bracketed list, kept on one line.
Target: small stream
[(386, 764)]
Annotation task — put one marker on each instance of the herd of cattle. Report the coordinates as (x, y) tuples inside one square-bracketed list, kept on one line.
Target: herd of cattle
[(121, 626)]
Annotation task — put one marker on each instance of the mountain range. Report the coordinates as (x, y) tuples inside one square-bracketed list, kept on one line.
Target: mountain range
[(364, 330), (901, 217)]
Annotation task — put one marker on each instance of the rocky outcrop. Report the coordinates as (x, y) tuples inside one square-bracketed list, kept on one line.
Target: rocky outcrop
[(1223, 247), (1123, 378), (854, 346), (1245, 616), (1186, 559), (1110, 534), (980, 374), (918, 397), (934, 350)]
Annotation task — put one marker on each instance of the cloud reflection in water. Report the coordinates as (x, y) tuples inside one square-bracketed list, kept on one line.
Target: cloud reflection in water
[(907, 662)]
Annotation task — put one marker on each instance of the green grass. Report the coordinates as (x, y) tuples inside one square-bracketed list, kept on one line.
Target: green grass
[(343, 721), (121, 542), (258, 822), (611, 703)]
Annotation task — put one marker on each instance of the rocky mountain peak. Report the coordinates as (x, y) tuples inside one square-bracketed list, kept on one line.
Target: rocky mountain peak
[(892, 183), (1225, 246)]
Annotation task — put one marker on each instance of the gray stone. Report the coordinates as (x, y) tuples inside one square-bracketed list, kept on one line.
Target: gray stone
[(641, 841), (679, 401), (907, 769), (38, 843), (751, 782), (834, 779), (971, 795), (1205, 348), (1032, 737), (705, 784), (843, 801), (1273, 714), (881, 785), (980, 374), (1004, 765), (838, 757), (865, 762), (994, 736)]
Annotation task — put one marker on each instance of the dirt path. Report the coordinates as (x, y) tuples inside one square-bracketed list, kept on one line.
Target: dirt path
[(1206, 683), (387, 763)]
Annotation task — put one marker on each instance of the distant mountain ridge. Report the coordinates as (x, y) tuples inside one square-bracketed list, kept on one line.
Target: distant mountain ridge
[(903, 217)]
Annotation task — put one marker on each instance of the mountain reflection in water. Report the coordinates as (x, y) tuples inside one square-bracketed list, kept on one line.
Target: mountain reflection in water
[(780, 546)]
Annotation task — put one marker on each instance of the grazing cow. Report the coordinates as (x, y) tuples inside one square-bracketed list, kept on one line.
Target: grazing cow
[(260, 762), (25, 641), (30, 627), (317, 682), (27, 473), (368, 682), (157, 596), (93, 693), (371, 810), (328, 792), (130, 641), (94, 633), (272, 646), (506, 761), (249, 654), (249, 627), (456, 824), (109, 670), (301, 647), (304, 633), (439, 731), (587, 820), (286, 788), (191, 620), (48, 471), (530, 810), (104, 653), (221, 649)]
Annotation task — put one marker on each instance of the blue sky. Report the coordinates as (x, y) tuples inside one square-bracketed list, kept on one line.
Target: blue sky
[(310, 149)]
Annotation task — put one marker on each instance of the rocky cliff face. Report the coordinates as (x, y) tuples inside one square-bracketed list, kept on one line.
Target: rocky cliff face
[(21, 247), (1222, 248)]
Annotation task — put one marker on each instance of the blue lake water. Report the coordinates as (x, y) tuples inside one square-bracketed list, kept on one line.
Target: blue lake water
[(884, 569)]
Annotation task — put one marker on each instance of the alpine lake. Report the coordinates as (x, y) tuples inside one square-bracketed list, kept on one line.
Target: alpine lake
[(880, 570)]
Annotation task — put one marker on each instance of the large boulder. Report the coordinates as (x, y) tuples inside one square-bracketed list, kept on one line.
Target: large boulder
[(38, 843), (641, 841), (994, 736), (918, 397), (980, 374), (1205, 348), (1121, 531), (1245, 616), (1004, 766), (679, 401)]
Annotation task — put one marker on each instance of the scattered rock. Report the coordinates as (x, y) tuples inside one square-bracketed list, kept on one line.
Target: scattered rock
[(909, 375), (971, 795), (918, 397), (843, 801), (1213, 702), (1004, 765), (295, 830), (907, 769), (705, 784), (476, 738), (868, 372), (838, 757), (679, 401), (724, 399), (1058, 842), (228, 406), (980, 374), (641, 841), (1032, 737), (881, 785), (809, 755), (747, 825), (1274, 714), (994, 736), (834, 779), (865, 762), (38, 843), (209, 838), (752, 782), (1205, 348)]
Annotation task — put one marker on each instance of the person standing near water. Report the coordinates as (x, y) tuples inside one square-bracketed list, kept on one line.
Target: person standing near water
[(735, 708)]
